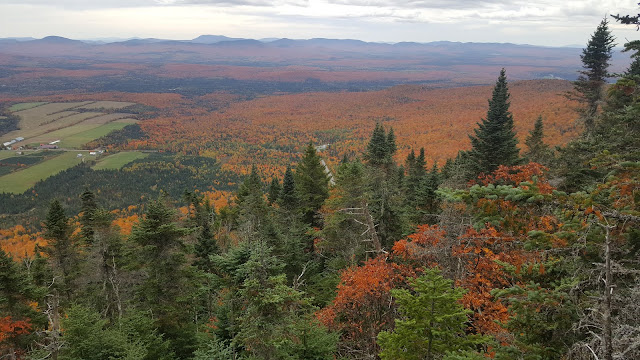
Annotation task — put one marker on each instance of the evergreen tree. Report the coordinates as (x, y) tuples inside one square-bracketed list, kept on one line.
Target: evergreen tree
[(345, 236), (88, 208), (414, 184), (432, 323), (537, 151), (202, 219), (104, 267), (634, 67), (166, 289), (90, 337), (495, 141), (251, 206), (288, 198), (275, 321), (312, 184), (391, 143), (60, 247), (251, 187), (429, 205), (595, 61), (274, 190), (385, 204), (381, 147)]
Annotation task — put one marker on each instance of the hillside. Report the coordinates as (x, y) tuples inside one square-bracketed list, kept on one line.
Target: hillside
[(270, 130)]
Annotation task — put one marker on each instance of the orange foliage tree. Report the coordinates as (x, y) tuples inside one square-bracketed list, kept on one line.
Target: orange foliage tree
[(363, 304)]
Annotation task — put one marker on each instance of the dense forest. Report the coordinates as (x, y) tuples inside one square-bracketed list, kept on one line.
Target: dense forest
[(513, 249)]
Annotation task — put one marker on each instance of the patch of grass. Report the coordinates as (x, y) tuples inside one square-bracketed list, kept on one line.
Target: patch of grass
[(20, 181), (117, 161), (81, 138), (107, 105), (63, 133), (25, 106), (4, 154)]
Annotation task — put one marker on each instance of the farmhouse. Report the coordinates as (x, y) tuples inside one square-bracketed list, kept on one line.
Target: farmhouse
[(48, 146), (9, 143)]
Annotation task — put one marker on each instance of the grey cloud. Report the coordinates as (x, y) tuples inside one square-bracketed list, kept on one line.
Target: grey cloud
[(588, 8), (84, 4), (423, 4), (267, 3), (111, 4)]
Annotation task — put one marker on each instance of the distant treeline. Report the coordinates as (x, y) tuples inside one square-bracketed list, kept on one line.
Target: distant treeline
[(185, 86)]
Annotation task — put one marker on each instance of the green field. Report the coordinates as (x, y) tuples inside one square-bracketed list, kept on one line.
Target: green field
[(4, 154), (81, 138), (25, 106), (20, 181), (116, 161)]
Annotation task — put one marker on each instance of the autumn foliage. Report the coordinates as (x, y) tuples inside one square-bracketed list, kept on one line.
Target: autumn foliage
[(361, 308)]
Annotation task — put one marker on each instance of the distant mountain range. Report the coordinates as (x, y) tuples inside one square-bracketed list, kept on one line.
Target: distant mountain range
[(212, 39), (150, 61)]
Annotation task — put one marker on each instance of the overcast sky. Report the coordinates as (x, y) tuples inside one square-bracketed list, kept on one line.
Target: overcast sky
[(537, 22)]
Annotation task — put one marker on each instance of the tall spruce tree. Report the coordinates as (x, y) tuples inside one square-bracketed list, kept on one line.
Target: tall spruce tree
[(60, 248), (377, 148), (634, 67), (274, 190), (495, 140), (537, 150), (167, 288), (595, 62), (288, 197), (391, 143), (89, 207), (312, 184)]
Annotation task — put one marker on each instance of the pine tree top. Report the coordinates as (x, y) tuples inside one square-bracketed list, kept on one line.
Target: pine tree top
[(595, 57), (495, 141)]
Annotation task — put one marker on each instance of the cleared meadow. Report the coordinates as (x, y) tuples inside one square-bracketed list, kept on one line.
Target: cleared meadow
[(103, 119), (73, 123), (78, 139), (118, 160), (25, 106), (108, 105), (21, 181), (66, 119), (34, 119), (5, 154)]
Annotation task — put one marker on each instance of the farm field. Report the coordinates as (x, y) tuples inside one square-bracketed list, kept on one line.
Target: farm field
[(4, 154), (64, 120), (80, 138), (42, 119), (25, 106), (71, 135), (117, 161), (48, 122), (20, 181), (108, 105), (37, 115), (20, 162)]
